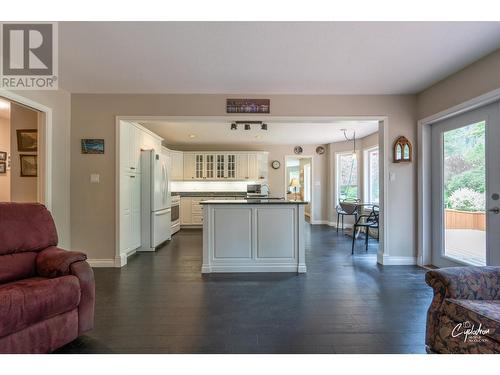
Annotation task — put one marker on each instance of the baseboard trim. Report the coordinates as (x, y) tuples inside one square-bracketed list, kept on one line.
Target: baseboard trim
[(388, 260), (330, 223), (102, 263)]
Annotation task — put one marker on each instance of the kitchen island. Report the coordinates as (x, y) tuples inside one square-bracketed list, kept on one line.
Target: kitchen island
[(253, 235)]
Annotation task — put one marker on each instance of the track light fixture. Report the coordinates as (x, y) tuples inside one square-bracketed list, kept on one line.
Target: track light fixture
[(247, 125)]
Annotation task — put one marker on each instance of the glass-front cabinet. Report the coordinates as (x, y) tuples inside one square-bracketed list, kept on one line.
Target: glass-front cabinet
[(225, 166), (209, 166)]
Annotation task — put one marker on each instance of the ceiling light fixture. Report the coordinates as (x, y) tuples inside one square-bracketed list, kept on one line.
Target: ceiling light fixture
[(247, 126), (263, 127), (234, 126)]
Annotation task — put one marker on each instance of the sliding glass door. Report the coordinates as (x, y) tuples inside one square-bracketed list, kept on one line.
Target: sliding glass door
[(466, 188)]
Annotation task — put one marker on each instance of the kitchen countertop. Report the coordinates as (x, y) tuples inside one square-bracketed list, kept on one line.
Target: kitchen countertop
[(211, 194), (253, 201)]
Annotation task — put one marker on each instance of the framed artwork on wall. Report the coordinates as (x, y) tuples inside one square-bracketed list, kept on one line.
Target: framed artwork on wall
[(248, 105), (3, 156), (29, 165), (27, 140), (3, 167), (92, 146)]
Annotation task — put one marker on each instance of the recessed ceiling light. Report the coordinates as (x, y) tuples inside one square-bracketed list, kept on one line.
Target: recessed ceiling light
[(192, 136)]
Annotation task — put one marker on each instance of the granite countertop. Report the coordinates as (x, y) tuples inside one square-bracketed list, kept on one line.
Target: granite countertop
[(253, 201), (211, 194)]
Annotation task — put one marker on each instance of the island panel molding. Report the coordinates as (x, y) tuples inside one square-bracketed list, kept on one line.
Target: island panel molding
[(253, 236)]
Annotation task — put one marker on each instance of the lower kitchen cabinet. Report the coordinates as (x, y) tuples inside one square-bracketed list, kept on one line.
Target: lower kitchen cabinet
[(192, 210)]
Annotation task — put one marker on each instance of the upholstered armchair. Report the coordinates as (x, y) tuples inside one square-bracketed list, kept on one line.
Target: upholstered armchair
[(464, 316), (46, 293)]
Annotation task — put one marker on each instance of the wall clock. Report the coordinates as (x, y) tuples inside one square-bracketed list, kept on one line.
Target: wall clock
[(275, 164), (298, 150), (320, 150)]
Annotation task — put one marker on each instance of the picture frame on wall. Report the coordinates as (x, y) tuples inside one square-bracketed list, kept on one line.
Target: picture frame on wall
[(3, 156), (29, 165), (248, 105), (3, 167), (92, 146), (27, 140)]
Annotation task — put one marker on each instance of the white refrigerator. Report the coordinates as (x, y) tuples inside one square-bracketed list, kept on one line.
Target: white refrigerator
[(156, 210)]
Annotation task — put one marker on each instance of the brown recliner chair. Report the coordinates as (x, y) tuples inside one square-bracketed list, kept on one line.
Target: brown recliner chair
[(46, 293)]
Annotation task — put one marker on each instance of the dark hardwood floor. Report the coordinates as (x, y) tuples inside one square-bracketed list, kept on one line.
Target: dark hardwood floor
[(160, 303)]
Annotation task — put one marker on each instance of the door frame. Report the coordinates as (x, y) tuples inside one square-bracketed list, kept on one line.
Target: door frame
[(311, 212), (383, 254), (44, 178), (424, 233)]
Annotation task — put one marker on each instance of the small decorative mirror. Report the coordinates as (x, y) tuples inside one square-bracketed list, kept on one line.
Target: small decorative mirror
[(402, 150)]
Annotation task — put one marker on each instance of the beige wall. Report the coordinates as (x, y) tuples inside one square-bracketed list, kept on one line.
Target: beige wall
[(474, 80), (22, 189), (5, 147), (93, 115), (59, 102)]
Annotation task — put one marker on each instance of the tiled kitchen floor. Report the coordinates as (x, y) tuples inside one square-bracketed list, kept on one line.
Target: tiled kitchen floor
[(160, 303)]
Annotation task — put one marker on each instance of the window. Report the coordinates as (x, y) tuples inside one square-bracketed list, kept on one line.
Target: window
[(347, 176), (371, 175), (307, 182)]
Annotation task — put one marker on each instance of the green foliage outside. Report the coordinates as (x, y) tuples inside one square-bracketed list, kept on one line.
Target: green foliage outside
[(464, 168)]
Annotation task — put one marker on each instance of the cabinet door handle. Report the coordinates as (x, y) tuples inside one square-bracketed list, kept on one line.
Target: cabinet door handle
[(132, 176), (132, 167)]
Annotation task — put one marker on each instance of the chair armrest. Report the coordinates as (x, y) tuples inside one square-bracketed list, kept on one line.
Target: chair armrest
[(55, 262), (85, 275), (480, 283)]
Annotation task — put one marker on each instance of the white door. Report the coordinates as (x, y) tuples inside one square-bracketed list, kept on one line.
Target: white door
[(466, 189)]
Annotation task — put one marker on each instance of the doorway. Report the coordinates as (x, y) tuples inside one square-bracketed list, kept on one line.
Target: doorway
[(20, 151), (465, 189), (298, 181)]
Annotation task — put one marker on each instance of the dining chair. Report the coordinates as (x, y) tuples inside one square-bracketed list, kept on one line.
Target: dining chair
[(347, 207), (368, 222)]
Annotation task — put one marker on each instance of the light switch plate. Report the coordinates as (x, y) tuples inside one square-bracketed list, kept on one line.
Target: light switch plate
[(94, 178)]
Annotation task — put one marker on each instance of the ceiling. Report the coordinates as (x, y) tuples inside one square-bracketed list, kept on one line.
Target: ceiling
[(219, 133), (267, 57)]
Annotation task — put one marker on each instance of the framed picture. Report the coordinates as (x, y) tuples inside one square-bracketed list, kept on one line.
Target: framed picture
[(3, 167), (92, 146), (248, 105), (28, 165), (27, 140), (3, 156)]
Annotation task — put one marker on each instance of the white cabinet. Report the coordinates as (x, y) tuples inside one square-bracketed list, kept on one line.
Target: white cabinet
[(133, 138), (130, 212), (242, 167), (217, 166), (192, 210), (189, 166), (185, 211), (177, 165)]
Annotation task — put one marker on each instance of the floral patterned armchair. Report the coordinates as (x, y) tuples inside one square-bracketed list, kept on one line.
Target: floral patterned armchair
[(464, 316)]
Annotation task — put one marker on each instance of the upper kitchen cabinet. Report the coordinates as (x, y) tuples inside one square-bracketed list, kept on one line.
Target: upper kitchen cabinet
[(133, 139), (216, 166), (189, 166), (176, 165)]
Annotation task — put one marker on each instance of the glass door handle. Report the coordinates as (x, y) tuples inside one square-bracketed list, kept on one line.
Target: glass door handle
[(495, 210)]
